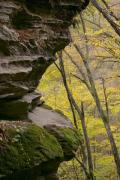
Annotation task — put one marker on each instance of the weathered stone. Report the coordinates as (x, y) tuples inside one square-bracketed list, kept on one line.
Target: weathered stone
[(44, 116), (31, 32), (28, 151), (26, 148)]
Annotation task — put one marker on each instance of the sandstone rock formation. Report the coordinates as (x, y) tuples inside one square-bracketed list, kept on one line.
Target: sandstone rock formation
[(31, 32)]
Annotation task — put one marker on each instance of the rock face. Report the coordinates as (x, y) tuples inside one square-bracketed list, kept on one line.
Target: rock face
[(30, 152), (31, 32)]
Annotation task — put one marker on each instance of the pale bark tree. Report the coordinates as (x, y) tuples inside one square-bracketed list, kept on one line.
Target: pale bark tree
[(88, 80), (107, 14), (81, 114)]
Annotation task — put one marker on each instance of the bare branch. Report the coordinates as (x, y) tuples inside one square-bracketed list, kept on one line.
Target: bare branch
[(107, 16)]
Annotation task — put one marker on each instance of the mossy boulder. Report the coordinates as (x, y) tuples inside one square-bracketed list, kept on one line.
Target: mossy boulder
[(28, 151), (27, 147), (69, 138)]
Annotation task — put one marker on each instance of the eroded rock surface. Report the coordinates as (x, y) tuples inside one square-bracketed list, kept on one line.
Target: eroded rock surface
[(31, 32), (48, 117), (28, 151)]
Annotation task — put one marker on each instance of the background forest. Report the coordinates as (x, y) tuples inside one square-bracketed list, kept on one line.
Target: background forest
[(84, 84)]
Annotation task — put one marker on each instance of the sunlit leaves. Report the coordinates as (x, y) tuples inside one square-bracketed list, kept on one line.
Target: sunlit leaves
[(104, 61)]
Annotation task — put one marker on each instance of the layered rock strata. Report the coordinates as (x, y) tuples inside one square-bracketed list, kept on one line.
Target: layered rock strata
[(31, 32)]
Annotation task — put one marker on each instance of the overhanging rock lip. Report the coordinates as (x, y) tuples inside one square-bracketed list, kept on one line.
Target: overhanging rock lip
[(42, 116)]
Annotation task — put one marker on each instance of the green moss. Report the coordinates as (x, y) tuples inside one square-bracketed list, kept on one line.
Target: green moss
[(70, 139), (30, 146), (26, 148), (72, 136)]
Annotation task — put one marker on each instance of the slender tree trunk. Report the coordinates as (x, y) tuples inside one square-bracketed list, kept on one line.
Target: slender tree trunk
[(105, 119), (62, 71), (107, 16), (113, 146), (111, 12), (87, 141), (82, 118)]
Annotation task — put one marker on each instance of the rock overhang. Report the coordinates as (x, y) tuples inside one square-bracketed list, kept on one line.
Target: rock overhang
[(31, 32)]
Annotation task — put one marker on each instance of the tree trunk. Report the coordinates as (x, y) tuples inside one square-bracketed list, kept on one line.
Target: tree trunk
[(87, 141), (107, 16), (113, 146), (103, 116), (81, 115)]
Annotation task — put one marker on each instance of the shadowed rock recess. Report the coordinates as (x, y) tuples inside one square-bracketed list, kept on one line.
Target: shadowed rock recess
[(34, 139)]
